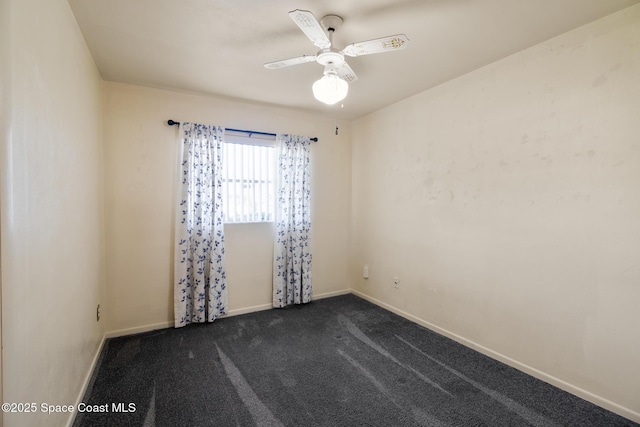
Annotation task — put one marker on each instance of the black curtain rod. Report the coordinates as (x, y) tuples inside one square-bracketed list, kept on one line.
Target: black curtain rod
[(250, 132)]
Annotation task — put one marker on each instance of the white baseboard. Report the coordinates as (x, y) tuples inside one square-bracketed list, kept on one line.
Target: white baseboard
[(87, 380), (561, 384), (246, 310), (332, 294), (139, 329), (262, 307), (231, 313)]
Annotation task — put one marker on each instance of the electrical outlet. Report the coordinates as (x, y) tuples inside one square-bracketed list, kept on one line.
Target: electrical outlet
[(365, 271), (396, 282), (98, 313)]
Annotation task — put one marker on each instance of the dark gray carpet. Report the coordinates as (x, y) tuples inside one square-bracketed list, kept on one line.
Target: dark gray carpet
[(334, 362)]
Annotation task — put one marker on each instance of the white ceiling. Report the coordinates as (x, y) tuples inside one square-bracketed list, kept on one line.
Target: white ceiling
[(217, 47)]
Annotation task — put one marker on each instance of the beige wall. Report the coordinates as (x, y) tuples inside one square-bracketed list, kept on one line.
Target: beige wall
[(52, 211), (141, 157), (507, 202), (5, 129)]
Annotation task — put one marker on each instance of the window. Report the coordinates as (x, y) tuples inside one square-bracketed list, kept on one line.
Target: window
[(248, 179)]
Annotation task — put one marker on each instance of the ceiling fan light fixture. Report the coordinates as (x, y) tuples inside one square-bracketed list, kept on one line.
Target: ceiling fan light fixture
[(334, 85), (330, 89)]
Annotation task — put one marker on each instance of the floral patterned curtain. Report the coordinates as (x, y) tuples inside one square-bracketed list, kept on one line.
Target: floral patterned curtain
[(292, 248), (200, 283)]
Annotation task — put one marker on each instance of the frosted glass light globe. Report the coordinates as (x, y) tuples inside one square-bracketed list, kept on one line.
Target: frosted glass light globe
[(330, 89)]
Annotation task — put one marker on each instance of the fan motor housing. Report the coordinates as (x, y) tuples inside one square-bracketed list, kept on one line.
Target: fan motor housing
[(330, 57)]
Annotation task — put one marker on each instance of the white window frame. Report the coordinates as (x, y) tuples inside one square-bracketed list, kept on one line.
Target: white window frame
[(250, 162)]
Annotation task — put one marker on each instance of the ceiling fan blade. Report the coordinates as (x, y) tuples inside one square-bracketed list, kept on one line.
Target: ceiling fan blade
[(289, 62), (384, 44), (346, 73), (311, 27)]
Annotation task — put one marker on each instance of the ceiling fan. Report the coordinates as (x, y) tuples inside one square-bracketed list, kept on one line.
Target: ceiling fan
[(333, 86)]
